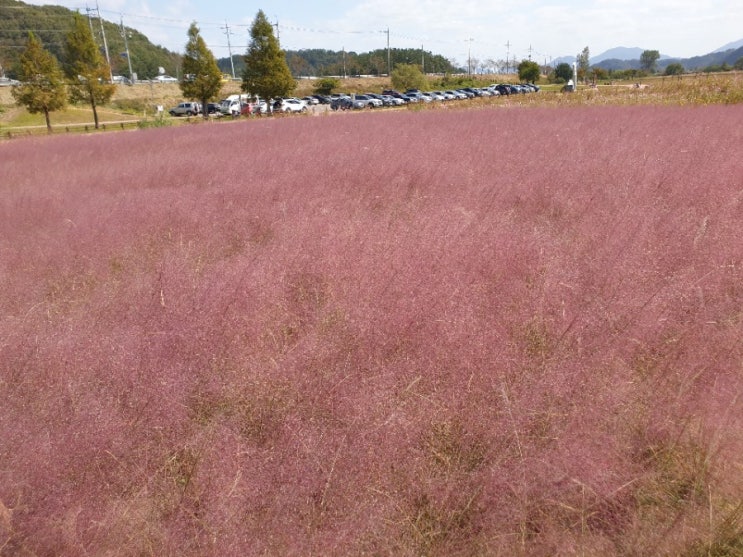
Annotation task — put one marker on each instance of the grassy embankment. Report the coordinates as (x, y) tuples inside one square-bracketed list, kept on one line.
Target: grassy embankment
[(137, 104)]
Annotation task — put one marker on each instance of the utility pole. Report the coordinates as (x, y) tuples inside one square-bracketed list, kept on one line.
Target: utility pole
[(90, 19), (105, 44), (508, 53), (530, 49), (124, 34), (469, 56), (229, 46), (389, 64), (278, 36)]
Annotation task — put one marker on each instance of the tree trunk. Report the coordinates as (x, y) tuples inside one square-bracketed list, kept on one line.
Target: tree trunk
[(95, 112), (48, 122)]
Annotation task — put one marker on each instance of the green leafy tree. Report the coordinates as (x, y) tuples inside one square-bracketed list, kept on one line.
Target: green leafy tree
[(738, 64), (42, 86), (674, 69), (326, 85), (266, 72), (583, 61), (529, 71), (202, 78), (563, 72), (408, 76), (648, 60), (86, 70), (597, 74)]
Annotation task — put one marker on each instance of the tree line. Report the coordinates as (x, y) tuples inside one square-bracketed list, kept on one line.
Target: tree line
[(315, 62), (46, 85), (83, 76)]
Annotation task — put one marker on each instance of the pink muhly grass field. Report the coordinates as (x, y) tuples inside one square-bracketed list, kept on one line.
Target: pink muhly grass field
[(488, 332)]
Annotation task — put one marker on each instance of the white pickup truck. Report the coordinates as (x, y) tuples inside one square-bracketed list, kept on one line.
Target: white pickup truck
[(232, 105)]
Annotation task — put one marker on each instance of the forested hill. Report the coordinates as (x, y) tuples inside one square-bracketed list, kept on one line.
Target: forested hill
[(319, 62), (328, 62), (51, 23)]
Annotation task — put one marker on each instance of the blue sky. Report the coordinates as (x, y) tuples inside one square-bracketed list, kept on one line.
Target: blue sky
[(457, 29)]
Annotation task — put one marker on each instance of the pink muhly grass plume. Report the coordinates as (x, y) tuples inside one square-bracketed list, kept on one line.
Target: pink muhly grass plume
[(441, 333)]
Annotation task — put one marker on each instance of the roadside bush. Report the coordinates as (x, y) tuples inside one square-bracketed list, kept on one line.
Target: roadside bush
[(326, 85), (454, 82), (674, 69), (130, 106), (408, 76), (158, 121)]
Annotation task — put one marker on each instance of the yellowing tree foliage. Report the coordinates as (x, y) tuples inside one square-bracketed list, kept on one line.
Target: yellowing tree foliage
[(266, 72), (42, 86), (86, 70), (202, 78)]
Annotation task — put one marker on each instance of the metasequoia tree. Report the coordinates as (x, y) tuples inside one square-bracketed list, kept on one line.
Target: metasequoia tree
[(202, 78), (42, 87), (86, 70), (266, 72)]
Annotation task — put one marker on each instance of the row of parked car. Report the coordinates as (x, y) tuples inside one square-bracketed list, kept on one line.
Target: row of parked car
[(236, 105), (395, 98)]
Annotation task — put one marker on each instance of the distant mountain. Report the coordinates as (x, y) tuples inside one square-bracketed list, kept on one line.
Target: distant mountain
[(623, 58), (716, 58), (730, 46), (619, 53), (728, 57), (564, 60), (622, 53)]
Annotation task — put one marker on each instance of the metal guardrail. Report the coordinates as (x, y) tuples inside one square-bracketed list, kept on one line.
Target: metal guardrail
[(26, 131), (116, 125)]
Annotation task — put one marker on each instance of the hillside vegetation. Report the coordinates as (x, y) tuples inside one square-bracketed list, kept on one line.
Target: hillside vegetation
[(51, 23), (484, 332)]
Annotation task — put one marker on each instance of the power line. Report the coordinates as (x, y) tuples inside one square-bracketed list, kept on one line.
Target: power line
[(179, 23)]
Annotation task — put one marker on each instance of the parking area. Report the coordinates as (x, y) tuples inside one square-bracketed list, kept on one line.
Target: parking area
[(244, 105)]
